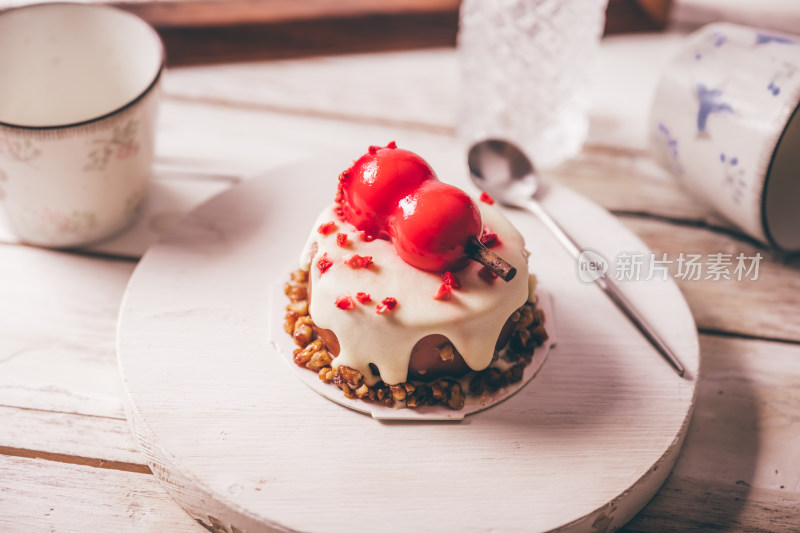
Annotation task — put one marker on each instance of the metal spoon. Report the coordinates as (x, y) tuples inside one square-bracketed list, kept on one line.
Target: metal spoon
[(504, 171)]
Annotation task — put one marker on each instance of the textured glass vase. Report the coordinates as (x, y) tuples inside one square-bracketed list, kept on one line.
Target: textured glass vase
[(525, 72)]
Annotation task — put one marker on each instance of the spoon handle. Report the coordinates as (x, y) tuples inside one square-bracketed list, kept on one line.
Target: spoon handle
[(611, 289)]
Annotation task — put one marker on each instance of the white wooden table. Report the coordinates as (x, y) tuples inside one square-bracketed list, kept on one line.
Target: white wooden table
[(67, 460)]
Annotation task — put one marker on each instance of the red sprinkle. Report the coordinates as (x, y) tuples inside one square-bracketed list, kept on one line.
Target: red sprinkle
[(327, 227), (324, 263), (341, 239), (358, 261), (388, 304), (366, 237), (363, 297), (443, 293), (487, 198), (487, 275), (489, 238), (345, 303), (392, 145), (451, 280)]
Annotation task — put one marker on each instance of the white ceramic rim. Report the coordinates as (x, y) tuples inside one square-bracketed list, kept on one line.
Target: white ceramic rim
[(93, 7), (793, 115)]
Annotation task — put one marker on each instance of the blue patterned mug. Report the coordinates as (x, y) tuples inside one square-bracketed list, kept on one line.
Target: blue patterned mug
[(724, 121), (78, 106)]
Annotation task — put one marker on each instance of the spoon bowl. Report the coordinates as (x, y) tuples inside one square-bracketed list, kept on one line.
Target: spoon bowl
[(503, 170)]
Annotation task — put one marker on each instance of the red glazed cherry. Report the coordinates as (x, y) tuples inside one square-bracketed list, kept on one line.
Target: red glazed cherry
[(431, 227), (375, 183)]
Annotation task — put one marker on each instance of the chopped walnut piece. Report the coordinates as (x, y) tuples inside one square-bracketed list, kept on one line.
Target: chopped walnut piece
[(319, 360), (295, 292), (301, 307), (303, 332), (521, 341), (439, 390), (300, 276), (526, 318), (351, 376), (539, 335), (456, 399), (419, 395), (362, 390), (398, 392), (478, 384), (446, 352), (289, 320), (514, 373), (494, 379), (326, 374), (348, 392), (303, 355)]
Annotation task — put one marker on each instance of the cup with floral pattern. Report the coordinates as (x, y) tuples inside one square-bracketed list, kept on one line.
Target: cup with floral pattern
[(725, 122), (78, 107)]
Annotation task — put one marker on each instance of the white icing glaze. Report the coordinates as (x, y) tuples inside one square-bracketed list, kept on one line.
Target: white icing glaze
[(471, 319)]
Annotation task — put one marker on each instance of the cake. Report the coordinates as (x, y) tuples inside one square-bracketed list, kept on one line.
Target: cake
[(388, 303)]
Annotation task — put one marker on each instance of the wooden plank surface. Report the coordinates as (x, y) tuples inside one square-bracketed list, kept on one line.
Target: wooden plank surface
[(738, 470), (43, 495), (231, 12)]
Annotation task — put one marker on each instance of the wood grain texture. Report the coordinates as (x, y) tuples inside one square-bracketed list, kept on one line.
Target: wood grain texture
[(766, 307), (39, 495), (95, 440), (420, 89), (182, 13), (308, 38), (740, 466), (355, 88), (230, 12), (56, 340)]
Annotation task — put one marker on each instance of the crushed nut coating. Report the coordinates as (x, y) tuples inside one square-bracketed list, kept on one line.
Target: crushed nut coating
[(528, 334)]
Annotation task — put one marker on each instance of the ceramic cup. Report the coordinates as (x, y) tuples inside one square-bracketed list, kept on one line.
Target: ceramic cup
[(78, 106), (725, 122)]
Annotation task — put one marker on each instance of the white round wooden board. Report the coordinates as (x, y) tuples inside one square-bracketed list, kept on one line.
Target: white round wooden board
[(243, 446)]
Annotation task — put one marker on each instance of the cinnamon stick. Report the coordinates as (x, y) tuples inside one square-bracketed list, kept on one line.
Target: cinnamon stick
[(493, 262)]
